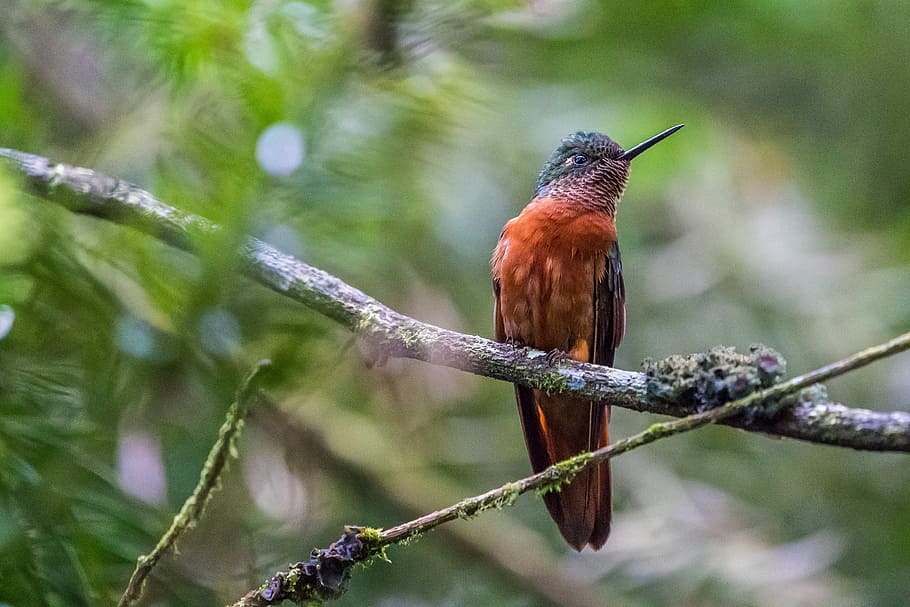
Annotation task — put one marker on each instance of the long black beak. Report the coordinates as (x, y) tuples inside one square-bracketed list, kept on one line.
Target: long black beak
[(644, 145)]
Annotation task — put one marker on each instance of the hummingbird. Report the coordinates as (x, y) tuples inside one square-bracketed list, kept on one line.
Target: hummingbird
[(558, 287)]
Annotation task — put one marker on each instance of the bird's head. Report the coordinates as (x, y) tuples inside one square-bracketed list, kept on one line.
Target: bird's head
[(591, 168)]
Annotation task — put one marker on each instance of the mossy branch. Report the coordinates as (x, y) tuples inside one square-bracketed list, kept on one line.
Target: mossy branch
[(392, 334), (222, 451), (326, 574)]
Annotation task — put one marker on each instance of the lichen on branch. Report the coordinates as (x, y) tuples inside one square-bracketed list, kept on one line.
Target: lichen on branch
[(706, 380)]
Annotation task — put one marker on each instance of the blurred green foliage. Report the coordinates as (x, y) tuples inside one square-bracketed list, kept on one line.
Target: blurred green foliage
[(777, 215)]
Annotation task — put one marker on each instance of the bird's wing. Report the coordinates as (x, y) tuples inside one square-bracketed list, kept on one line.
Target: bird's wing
[(609, 327), (499, 331), (609, 310)]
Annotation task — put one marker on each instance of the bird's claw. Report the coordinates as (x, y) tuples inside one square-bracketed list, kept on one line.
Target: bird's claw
[(556, 356)]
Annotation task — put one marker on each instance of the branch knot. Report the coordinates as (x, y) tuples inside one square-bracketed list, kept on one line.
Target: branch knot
[(324, 576)]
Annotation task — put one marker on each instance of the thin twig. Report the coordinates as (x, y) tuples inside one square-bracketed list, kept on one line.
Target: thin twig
[(392, 334), (361, 544), (222, 451)]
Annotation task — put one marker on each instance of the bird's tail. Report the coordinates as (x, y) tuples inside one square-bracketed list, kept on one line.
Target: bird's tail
[(556, 428)]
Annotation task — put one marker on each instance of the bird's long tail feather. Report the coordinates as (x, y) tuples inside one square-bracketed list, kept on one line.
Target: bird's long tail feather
[(556, 428)]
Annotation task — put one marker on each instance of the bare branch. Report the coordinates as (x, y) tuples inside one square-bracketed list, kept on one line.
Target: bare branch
[(194, 506), (393, 334)]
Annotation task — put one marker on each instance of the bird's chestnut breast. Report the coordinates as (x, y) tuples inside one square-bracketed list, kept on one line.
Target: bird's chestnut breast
[(547, 263)]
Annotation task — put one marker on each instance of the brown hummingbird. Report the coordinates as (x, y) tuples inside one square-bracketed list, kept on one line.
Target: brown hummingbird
[(558, 287)]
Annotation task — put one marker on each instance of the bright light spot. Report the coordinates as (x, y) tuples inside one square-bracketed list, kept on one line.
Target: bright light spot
[(307, 19), (140, 467), (135, 337), (7, 316), (285, 239), (279, 150), (276, 490), (219, 332), (258, 44)]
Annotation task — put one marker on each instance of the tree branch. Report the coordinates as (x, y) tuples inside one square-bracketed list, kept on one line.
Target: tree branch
[(194, 506), (392, 334), (326, 574)]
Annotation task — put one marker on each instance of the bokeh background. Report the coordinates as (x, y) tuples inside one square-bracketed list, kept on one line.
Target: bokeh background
[(387, 142)]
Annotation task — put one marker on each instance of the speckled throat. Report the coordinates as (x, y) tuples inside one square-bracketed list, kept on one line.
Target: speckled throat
[(598, 187), (597, 181)]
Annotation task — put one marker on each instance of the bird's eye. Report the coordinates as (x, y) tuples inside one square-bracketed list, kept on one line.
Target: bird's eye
[(579, 160)]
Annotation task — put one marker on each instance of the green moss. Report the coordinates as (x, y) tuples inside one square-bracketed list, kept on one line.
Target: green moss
[(411, 538), (510, 493), (553, 383), (371, 537), (563, 472), (467, 509), (412, 337), (654, 430), (262, 587), (292, 578), (369, 315), (573, 465)]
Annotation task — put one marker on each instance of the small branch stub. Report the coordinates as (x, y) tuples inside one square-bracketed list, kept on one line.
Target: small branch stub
[(323, 577)]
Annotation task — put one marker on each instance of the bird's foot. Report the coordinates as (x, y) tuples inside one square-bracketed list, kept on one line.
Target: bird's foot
[(556, 356)]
